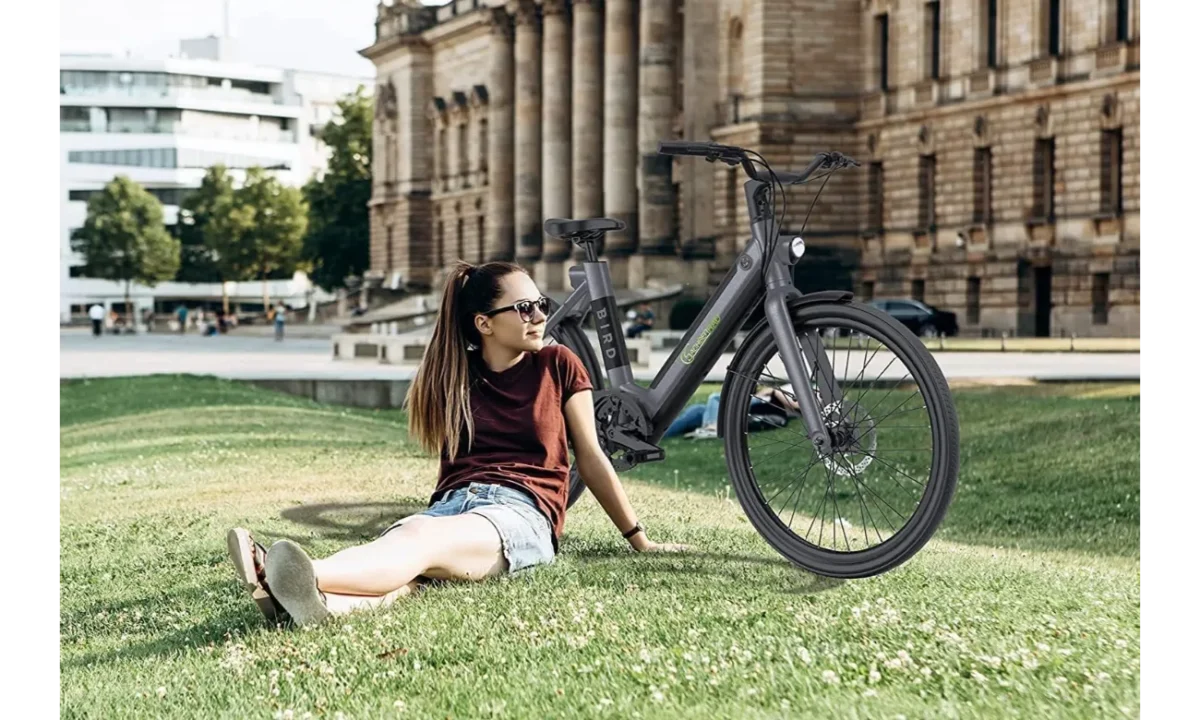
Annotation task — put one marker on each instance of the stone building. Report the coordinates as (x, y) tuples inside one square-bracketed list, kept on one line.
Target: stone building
[(999, 142)]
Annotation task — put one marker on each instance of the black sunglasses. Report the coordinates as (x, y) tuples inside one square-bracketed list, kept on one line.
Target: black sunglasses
[(525, 308)]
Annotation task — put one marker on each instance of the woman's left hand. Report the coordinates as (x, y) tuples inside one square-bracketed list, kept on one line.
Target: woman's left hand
[(653, 547)]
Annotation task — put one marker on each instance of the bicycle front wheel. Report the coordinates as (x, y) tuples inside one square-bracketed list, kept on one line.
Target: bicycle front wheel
[(880, 492)]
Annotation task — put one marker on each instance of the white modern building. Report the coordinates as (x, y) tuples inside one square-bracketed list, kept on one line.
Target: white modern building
[(163, 122)]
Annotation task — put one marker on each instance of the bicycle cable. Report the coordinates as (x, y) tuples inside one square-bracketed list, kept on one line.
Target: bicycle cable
[(814, 202), (773, 241)]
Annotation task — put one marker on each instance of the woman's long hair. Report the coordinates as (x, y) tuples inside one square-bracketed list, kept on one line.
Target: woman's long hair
[(439, 398)]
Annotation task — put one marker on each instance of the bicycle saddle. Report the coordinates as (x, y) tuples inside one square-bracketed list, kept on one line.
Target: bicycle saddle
[(563, 229)]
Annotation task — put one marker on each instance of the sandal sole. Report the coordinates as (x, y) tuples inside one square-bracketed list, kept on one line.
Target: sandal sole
[(241, 552), (292, 579)]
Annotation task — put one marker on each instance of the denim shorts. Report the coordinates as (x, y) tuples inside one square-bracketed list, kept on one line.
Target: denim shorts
[(525, 534)]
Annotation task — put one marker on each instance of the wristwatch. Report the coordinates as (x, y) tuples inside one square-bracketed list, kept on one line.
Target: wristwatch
[(634, 531)]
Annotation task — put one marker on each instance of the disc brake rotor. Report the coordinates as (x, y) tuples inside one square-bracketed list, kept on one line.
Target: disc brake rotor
[(853, 438)]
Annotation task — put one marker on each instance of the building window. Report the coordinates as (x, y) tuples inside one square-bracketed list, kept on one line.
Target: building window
[(463, 154), (388, 251), (927, 209), (918, 290), (482, 238), (875, 198), (483, 148), (983, 185), (1115, 21), (933, 36), (868, 290), (439, 248), (1121, 21), (442, 168), (1052, 22), (461, 250), (1100, 298), (1043, 179), (1110, 171), (881, 48), (972, 301), (989, 29)]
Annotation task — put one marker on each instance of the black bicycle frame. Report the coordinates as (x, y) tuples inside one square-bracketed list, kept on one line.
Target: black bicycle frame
[(713, 329)]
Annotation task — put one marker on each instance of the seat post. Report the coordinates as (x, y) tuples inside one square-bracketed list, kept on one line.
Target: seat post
[(589, 246)]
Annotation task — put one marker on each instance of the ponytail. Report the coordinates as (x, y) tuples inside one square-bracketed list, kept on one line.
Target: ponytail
[(439, 398)]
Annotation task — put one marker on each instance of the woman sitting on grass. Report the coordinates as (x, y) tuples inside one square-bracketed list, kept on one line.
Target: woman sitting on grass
[(496, 404)]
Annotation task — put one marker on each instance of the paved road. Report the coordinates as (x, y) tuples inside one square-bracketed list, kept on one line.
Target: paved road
[(249, 358)]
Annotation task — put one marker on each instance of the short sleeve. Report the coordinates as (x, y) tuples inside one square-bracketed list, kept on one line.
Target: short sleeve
[(573, 373)]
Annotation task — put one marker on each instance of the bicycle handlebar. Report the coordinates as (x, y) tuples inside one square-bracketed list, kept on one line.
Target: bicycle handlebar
[(735, 156), (711, 152)]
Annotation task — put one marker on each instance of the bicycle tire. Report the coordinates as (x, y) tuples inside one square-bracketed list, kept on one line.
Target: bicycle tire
[(943, 479), (569, 334)]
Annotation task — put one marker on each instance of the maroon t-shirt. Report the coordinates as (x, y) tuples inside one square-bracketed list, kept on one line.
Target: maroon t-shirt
[(520, 432)]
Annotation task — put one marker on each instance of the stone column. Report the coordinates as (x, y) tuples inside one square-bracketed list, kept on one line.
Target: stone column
[(700, 76), (586, 105), (656, 115), (620, 129), (499, 244), (528, 133), (556, 136)]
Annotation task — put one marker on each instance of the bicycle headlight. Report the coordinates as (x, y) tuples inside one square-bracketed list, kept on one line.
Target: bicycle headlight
[(796, 248)]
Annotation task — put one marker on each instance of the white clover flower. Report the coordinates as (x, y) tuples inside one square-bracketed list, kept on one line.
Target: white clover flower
[(874, 676), (975, 674), (657, 696), (162, 691), (830, 677), (869, 692)]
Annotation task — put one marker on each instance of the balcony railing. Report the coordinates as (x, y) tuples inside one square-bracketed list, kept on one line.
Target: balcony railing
[(271, 136), (170, 94)]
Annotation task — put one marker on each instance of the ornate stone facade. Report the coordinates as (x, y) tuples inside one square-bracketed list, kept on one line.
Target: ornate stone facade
[(999, 142)]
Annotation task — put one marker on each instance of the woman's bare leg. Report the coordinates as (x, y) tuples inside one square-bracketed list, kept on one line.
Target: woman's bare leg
[(461, 547), (342, 604), (458, 547)]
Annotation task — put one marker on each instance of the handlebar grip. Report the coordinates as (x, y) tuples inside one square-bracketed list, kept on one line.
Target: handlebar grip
[(687, 147)]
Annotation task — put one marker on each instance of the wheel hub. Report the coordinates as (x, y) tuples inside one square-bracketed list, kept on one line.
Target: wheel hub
[(852, 439)]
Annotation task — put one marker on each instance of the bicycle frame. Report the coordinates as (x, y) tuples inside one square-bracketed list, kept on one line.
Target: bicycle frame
[(712, 330)]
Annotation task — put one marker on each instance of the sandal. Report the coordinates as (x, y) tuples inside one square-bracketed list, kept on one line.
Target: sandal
[(294, 583), (249, 559)]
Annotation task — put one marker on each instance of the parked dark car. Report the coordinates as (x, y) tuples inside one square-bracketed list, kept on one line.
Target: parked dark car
[(922, 319)]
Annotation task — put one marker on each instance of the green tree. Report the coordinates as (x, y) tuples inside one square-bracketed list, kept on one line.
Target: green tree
[(338, 240), (198, 263), (124, 239), (259, 231)]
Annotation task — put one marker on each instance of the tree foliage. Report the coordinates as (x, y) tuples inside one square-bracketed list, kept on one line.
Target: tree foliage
[(198, 263), (257, 233), (124, 239), (338, 240)]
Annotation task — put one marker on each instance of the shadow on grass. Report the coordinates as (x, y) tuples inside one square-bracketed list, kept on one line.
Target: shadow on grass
[(717, 565), (242, 619), (350, 522)]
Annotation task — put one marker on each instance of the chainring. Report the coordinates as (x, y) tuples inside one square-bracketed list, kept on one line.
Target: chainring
[(617, 416)]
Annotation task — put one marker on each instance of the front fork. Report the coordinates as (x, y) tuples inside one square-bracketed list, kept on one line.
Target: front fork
[(799, 355)]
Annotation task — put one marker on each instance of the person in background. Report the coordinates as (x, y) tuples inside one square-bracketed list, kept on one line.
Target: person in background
[(280, 319), (96, 313), (181, 314), (643, 320), (770, 407)]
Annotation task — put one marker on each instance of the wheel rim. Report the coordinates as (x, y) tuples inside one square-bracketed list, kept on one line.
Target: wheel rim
[(870, 488)]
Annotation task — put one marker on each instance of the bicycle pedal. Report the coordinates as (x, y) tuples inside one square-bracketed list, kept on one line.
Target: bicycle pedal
[(653, 455)]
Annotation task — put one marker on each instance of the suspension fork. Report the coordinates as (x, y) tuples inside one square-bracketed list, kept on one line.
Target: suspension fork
[(799, 354)]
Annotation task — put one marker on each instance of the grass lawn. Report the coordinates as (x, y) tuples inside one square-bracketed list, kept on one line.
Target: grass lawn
[(1026, 604)]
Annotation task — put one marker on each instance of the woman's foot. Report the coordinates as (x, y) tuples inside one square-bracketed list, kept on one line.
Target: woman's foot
[(249, 558), (293, 582)]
